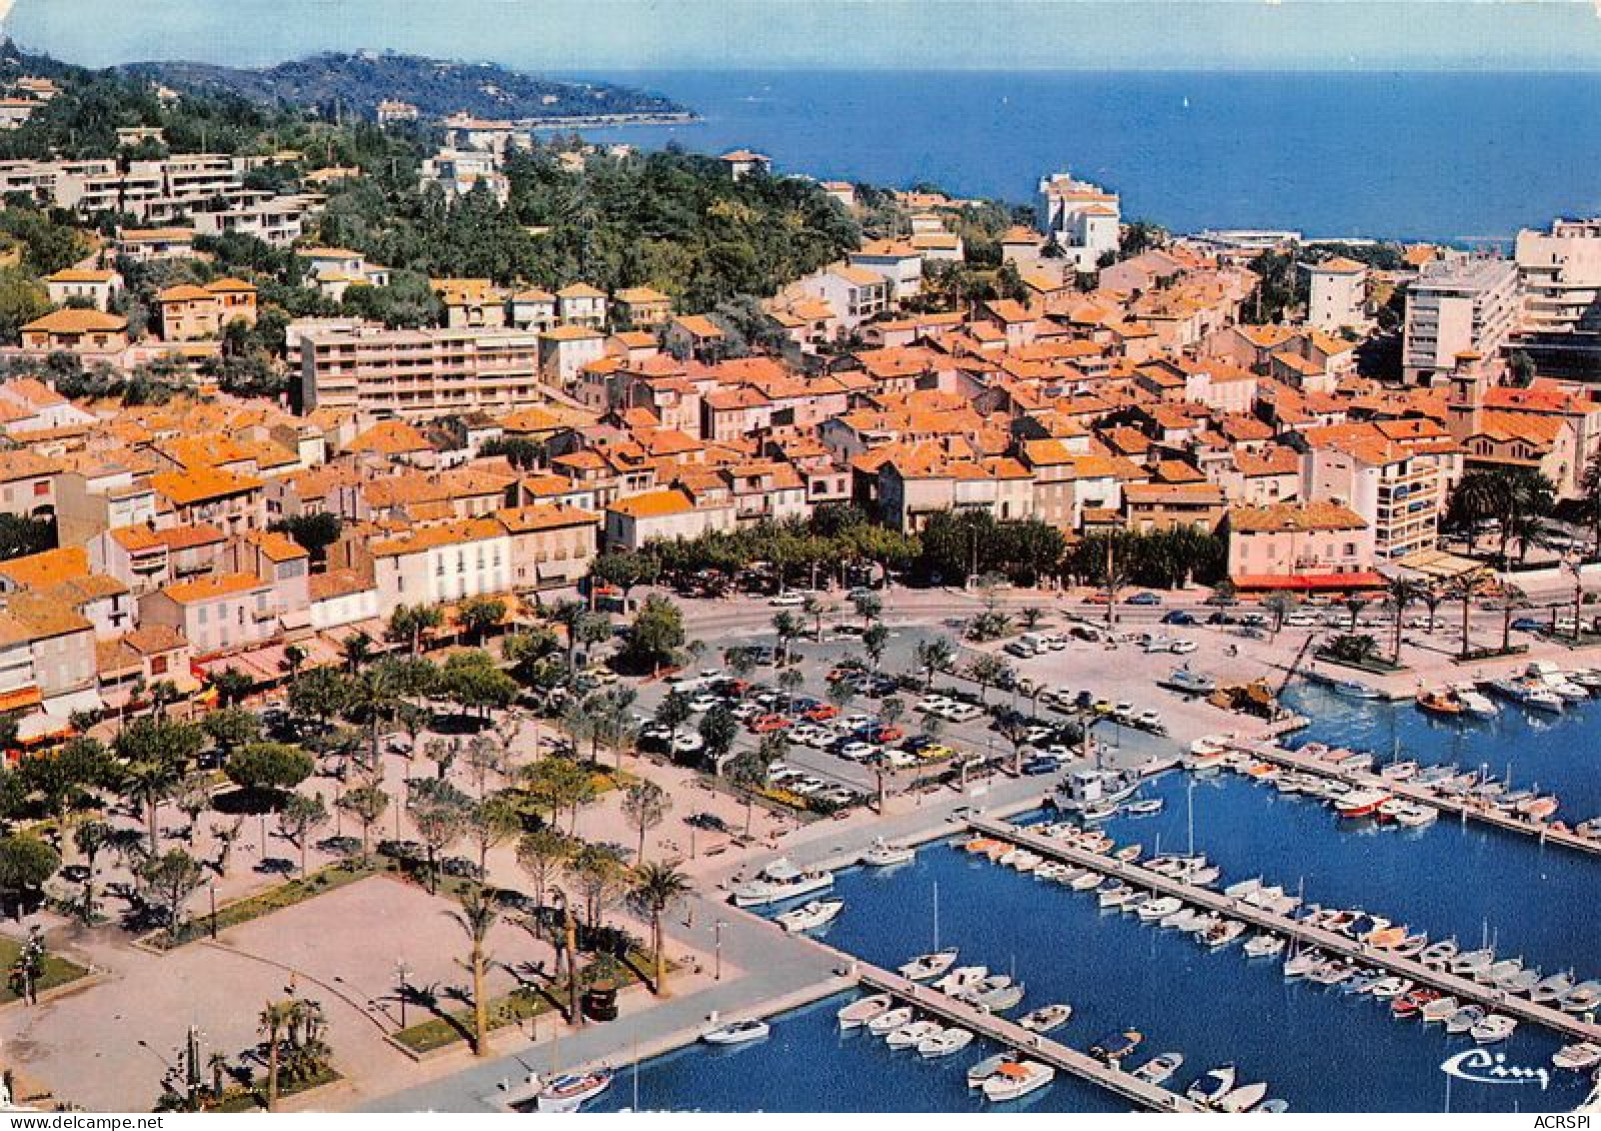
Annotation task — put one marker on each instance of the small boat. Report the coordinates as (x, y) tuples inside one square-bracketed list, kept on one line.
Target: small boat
[(1493, 1029), (1464, 1019), (884, 855), (1361, 803), (1392, 987), (1160, 1068), (1469, 964), (1085, 882), (1272, 1107), (1016, 1079), (1118, 895), (1439, 954), (1214, 1085), (911, 1035), (1440, 1009), (1583, 999), (887, 1022), (1158, 908), (1179, 919), (1187, 682), (1580, 1057), (1399, 771), (962, 978), (1443, 701), (737, 1032), (1475, 702), (946, 1042), (1264, 945), (810, 916), (1501, 972), (1386, 938), (780, 881), (1241, 1099), (1128, 853), (984, 1069), (1552, 989), (571, 1091), (860, 1012), (1099, 811), (1115, 1046), (998, 999), (1143, 808), (1300, 965), (1203, 923), (1412, 815), (1411, 1004), (1046, 1018), (1223, 934), (981, 845), (926, 966)]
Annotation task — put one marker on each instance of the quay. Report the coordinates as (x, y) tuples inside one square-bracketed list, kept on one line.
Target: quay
[(1459, 807), (1464, 989), (1152, 1097)]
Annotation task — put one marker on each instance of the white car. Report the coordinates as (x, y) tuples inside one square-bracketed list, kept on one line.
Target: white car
[(1182, 647), (961, 713), (787, 600), (703, 703), (932, 704), (900, 759), (807, 787), (688, 742), (857, 751), (1300, 620)]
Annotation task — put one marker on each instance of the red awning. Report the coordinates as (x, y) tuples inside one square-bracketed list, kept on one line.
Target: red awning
[(1307, 582)]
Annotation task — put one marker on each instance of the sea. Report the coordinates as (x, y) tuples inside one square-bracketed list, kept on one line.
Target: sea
[(1318, 1049), (1458, 157)]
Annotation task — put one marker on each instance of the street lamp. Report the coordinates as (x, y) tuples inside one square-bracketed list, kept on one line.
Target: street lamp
[(213, 887), (717, 929), (403, 976)]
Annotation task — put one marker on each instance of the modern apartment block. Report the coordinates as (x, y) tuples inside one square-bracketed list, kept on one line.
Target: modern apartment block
[(1461, 305), (1560, 272)]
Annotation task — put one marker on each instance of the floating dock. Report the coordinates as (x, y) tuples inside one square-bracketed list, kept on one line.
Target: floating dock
[(1464, 989), (1459, 807), (1030, 1045)]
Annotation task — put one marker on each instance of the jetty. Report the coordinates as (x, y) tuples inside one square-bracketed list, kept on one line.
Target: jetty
[(1033, 1046), (1462, 808), (1331, 942)]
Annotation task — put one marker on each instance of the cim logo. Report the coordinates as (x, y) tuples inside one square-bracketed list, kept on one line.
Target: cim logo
[(1482, 1067)]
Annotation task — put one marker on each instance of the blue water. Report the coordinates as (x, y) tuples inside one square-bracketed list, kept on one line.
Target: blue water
[(1435, 156), (1319, 1050), (1556, 753)]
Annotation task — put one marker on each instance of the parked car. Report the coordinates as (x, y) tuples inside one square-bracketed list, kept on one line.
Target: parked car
[(767, 724), (790, 600), (1145, 598), (1178, 616)]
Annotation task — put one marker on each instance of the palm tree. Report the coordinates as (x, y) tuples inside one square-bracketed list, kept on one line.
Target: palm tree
[(1512, 597), (357, 650), (1354, 604), (874, 641), (1465, 587), (1280, 605), (657, 887), (1432, 596), (986, 670), (477, 917), (787, 626), (814, 608), (934, 656), (271, 1023), (791, 680), (1399, 593)]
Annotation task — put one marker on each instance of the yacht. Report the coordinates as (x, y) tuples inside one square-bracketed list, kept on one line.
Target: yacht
[(926, 966), (860, 1012), (884, 855), (947, 1042), (1115, 1046), (1464, 1019), (1187, 682), (1243, 1098), (1016, 1079), (887, 1022), (1553, 677), (571, 1091), (1264, 945), (1047, 1018), (911, 1035), (1579, 1057), (1160, 1068), (810, 916), (1493, 1029), (1440, 1009), (984, 1069), (1361, 803), (1412, 815), (962, 978), (996, 998), (737, 1032), (1475, 702), (1584, 998), (1155, 909), (779, 881), (1213, 1086)]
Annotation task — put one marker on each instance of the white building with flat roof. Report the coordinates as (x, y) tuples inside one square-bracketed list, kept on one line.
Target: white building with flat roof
[(1560, 272), (1337, 294), (1461, 305), (1081, 219)]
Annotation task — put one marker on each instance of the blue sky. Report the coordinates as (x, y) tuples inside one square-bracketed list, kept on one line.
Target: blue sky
[(603, 35)]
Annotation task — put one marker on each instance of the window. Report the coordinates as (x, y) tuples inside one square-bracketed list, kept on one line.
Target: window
[(158, 665)]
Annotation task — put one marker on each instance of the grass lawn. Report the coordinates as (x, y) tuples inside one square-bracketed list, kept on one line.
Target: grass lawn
[(238, 1099), (320, 882), (57, 970)]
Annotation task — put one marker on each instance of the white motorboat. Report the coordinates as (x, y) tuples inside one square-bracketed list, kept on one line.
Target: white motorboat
[(984, 1069), (926, 966), (911, 1035), (1086, 881), (1243, 1098), (860, 1012), (1579, 1057), (1440, 1009), (1158, 908), (1047, 1018), (1475, 702), (1583, 998), (1394, 986), (810, 916), (962, 978), (1413, 815), (1239, 889), (1493, 1029), (779, 881), (1214, 1085), (1302, 964), (1119, 896), (995, 996), (1464, 1019), (947, 1042), (1160, 1068), (737, 1032), (890, 1020), (1472, 963), (1223, 934), (1264, 945), (571, 1091), (1016, 1079), (884, 855)]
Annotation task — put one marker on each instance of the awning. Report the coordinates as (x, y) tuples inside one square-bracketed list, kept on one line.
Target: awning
[(19, 698), (1306, 582), (62, 706)]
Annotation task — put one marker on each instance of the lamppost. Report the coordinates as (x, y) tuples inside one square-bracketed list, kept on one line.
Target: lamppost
[(403, 977), (717, 931), (213, 888)]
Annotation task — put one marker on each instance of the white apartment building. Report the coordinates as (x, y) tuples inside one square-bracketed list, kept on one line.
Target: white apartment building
[(1082, 219), (1461, 305), (434, 564), (1560, 272), (420, 373), (1400, 494), (1338, 294)]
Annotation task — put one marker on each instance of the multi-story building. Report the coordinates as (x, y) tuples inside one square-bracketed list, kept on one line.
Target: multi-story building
[(1461, 305), (1337, 295), (420, 373), (89, 286), (1560, 272), (1298, 545), (1081, 219)]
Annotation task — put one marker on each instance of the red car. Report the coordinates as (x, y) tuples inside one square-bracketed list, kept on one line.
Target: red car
[(766, 724), (821, 713)]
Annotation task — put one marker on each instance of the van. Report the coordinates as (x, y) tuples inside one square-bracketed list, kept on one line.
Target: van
[(1036, 641)]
